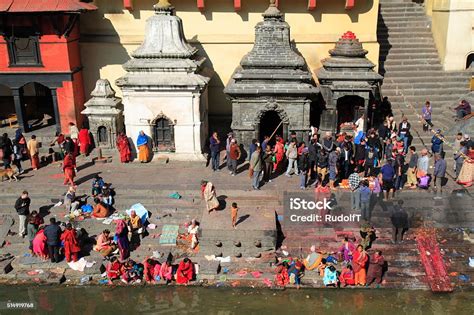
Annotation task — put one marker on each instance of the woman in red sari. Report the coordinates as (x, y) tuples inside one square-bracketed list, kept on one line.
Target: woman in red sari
[(39, 244), (359, 260), (71, 244), (124, 148), (69, 168), (113, 269), (84, 141), (149, 270), (185, 272), (279, 153)]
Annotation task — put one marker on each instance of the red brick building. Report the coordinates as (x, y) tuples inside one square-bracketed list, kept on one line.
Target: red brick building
[(40, 64)]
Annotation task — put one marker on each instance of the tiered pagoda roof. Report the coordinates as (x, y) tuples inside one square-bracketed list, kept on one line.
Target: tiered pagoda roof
[(272, 67)]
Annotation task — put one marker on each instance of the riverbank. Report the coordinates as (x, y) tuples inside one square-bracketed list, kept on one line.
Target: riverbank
[(179, 300), (152, 184)]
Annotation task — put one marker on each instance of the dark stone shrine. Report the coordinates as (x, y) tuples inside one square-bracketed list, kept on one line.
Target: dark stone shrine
[(348, 83), (272, 88)]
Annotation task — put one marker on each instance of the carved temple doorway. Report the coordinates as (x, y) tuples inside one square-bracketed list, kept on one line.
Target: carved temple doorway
[(163, 135), (269, 122), (349, 108)]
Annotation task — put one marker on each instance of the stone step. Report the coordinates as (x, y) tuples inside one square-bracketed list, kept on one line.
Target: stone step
[(414, 36), (385, 9), (402, 41), (386, 50), (386, 45), (413, 79), (401, 19), (383, 25), (425, 92), (406, 16), (403, 29), (421, 85), (397, 4), (422, 61), (436, 74), (417, 67), (437, 100), (407, 56)]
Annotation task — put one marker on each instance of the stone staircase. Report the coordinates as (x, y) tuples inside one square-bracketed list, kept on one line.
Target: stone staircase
[(151, 184), (413, 73)]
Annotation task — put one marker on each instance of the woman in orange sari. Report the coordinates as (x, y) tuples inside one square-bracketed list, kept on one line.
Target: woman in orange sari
[(185, 272), (69, 168), (359, 260), (71, 244), (100, 210), (143, 150)]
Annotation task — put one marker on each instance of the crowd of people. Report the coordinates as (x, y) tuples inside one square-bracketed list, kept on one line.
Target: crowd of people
[(60, 240), (383, 158)]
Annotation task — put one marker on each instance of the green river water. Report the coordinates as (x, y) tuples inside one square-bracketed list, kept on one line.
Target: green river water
[(226, 301)]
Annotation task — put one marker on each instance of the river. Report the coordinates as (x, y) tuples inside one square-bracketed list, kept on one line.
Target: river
[(227, 301)]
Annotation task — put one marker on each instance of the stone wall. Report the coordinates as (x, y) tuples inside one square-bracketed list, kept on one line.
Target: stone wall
[(110, 34)]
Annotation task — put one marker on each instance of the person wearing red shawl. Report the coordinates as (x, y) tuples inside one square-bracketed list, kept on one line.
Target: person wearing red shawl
[(71, 244), (149, 270), (69, 168), (84, 141), (279, 153), (113, 269), (375, 271), (359, 260), (347, 276), (123, 147), (185, 272), (281, 277)]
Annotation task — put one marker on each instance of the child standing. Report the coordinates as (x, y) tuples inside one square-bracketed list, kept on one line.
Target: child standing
[(234, 210)]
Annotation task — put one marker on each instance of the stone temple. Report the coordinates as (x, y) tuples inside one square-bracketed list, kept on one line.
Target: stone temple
[(165, 89), (348, 84), (272, 89)]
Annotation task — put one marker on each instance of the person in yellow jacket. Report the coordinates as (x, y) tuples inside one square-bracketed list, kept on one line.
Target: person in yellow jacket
[(33, 151)]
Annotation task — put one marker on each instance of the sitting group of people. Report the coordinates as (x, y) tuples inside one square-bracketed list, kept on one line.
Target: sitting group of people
[(102, 194), (151, 270), (358, 268)]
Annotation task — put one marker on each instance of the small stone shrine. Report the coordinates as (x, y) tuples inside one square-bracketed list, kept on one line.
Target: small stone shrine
[(271, 90), (348, 83), (165, 89), (104, 113)]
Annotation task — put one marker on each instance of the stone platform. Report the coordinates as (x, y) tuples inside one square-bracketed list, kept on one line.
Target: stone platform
[(254, 234), (151, 184)]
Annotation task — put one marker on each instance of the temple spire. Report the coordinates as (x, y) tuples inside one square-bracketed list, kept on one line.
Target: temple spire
[(163, 4), (272, 11)]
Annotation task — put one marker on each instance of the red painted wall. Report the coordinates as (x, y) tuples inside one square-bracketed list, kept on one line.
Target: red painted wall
[(58, 54)]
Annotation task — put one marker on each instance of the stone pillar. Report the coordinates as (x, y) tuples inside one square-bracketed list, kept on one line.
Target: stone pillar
[(20, 109), (57, 117), (328, 120)]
